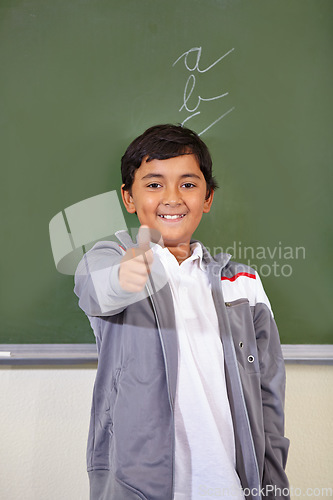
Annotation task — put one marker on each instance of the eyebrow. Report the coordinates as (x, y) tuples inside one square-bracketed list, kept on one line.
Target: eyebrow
[(160, 176)]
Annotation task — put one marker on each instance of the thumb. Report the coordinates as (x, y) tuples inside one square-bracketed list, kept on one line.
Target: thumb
[(144, 238), (146, 235)]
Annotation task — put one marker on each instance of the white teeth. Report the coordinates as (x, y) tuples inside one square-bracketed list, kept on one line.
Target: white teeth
[(171, 216)]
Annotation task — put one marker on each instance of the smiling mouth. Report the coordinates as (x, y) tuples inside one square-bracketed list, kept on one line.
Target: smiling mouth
[(172, 217)]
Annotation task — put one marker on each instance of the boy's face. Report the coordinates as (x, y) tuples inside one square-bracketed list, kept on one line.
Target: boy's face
[(170, 196)]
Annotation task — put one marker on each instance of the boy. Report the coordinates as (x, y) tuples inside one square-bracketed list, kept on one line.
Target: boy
[(188, 398)]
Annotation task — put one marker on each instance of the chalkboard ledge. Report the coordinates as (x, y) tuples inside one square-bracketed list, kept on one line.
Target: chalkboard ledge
[(78, 354)]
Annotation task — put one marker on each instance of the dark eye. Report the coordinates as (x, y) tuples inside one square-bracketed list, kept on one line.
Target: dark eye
[(154, 185), (188, 185)]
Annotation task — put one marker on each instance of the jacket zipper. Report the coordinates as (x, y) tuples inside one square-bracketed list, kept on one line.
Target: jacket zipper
[(247, 419), (226, 322), (167, 379), (169, 392)]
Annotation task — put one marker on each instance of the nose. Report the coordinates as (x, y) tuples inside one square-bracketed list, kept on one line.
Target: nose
[(171, 196)]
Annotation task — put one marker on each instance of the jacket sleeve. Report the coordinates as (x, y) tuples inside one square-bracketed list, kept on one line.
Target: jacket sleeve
[(272, 376), (97, 284)]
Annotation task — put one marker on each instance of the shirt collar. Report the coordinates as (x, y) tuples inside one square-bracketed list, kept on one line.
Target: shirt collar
[(196, 253)]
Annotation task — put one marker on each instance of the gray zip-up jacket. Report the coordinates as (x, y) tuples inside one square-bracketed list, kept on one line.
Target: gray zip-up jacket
[(131, 438)]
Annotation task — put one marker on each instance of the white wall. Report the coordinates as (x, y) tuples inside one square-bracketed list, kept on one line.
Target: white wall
[(309, 426), (44, 417)]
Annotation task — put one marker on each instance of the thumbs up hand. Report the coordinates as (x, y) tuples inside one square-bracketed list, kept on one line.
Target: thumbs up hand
[(135, 265)]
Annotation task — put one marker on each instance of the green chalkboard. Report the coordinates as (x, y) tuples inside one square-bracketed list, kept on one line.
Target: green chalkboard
[(81, 78)]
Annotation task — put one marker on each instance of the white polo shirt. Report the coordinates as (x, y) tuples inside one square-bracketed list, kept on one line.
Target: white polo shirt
[(204, 448)]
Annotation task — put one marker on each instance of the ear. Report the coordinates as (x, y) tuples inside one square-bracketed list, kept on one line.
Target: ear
[(208, 202), (127, 200)]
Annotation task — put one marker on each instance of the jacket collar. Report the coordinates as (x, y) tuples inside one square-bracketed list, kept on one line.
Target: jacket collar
[(124, 239)]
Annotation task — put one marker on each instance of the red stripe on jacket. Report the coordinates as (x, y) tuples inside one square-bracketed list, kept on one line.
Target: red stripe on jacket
[(248, 275)]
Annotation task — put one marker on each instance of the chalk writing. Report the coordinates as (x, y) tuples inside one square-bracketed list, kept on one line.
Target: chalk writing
[(191, 83)]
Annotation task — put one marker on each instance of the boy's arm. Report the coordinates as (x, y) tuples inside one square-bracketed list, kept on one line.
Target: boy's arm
[(108, 279), (275, 482)]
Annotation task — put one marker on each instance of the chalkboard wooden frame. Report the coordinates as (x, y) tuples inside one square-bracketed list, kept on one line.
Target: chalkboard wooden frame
[(82, 354)]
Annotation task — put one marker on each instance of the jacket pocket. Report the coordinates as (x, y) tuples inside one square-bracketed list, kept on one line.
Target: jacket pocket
[(101, 425), (105, 486), (243, 333)]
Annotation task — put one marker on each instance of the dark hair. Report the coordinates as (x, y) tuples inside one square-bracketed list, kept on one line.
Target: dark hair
[(166, 141)]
